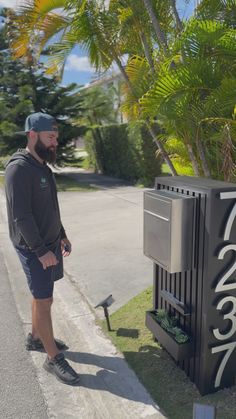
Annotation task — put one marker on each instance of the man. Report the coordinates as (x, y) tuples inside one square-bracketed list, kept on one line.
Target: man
[(38, 235)]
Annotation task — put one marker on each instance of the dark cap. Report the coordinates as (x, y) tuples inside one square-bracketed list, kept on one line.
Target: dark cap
[(40, 122)]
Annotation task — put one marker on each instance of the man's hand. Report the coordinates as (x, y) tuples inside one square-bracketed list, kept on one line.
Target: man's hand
[(49, 259), (65, 247)]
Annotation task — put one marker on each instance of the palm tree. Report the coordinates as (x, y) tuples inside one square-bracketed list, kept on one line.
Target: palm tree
[(134, 31), (86, 24), (35, 24), (179, 24), (160, 36), (195, 100)]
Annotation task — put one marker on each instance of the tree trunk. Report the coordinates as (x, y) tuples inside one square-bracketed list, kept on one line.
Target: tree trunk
[(34, 85), (124, 74), (193, 159), (202, 155), (179, 24), (228, 166), (147, 52), (160, 36), (153, 135), (162, 150)]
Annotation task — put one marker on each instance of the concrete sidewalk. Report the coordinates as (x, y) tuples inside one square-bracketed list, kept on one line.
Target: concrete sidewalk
[(109, 388)]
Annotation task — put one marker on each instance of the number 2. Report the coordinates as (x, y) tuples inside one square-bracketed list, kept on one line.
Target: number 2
[(221, 286)]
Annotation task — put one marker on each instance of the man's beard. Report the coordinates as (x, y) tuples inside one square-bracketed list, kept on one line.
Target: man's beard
[(47, 154)]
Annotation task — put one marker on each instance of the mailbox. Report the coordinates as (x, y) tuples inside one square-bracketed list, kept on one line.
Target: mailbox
[(168, 229), (190, 234)]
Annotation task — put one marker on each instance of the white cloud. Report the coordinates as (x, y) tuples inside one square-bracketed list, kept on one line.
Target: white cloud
[(74, 62), (124, 60), (10, 3)]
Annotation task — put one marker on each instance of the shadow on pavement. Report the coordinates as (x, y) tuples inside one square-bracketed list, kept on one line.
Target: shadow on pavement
[(112, 377)]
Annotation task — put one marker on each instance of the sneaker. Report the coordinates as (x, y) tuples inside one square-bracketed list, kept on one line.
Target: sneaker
[(37, 345), (59, 367)]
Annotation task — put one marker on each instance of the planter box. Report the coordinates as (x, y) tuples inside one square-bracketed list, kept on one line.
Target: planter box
[(179, 351)]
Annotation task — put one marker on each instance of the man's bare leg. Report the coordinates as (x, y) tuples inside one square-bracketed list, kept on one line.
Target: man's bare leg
[(34, 331), (42, 325)]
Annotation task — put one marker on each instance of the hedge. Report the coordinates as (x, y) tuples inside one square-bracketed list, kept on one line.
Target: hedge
[(123, 151)]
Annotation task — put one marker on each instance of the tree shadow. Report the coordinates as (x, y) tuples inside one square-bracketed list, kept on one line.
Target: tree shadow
[(113, 377), (160, 375), (128, 333)]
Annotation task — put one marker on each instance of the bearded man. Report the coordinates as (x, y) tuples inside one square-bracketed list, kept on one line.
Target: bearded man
[(38, 235)]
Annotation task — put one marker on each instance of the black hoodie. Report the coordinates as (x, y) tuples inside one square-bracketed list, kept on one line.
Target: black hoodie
[(32, 204)]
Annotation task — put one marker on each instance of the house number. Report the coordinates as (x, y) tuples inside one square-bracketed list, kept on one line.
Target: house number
[(222, 286)]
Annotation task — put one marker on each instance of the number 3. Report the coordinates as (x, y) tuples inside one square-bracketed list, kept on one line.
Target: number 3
[(230, 316)]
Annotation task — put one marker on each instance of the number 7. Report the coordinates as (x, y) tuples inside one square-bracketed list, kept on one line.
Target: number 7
[(229, 195), (229, 347)]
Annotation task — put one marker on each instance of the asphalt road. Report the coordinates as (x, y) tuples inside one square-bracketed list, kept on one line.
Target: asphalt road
[(20, 393)]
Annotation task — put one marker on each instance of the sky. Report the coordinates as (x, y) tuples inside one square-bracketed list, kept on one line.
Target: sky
[(78, 68)]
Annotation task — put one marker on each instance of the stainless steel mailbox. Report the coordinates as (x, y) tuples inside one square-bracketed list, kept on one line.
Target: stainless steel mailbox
[(168, 229)]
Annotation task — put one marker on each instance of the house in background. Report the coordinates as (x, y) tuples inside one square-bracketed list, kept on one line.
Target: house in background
[(107, 82)]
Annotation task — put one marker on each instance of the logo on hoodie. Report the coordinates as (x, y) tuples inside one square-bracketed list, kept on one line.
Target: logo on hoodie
[(43, 183)]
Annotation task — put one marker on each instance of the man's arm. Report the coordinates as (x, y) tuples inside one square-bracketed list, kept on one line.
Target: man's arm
[(19, 192), (63, 233)]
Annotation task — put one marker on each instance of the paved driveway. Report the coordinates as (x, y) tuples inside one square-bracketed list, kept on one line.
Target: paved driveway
[(106, 230)]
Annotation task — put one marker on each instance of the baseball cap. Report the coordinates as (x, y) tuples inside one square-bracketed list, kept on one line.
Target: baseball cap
[(40, 121)]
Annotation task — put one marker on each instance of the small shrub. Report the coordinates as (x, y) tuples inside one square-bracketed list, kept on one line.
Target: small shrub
[(169, 323), (124, 152)]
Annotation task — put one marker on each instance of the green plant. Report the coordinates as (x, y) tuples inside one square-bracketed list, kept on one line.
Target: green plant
[(123, 151), (1, 181), (66, 183), (169, 323)]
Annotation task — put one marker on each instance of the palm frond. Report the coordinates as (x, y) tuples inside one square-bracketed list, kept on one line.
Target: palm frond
[(202, 38), (138, 72), (220, 10), (34, 25), (176, 85), (221, 101), (40, 7)]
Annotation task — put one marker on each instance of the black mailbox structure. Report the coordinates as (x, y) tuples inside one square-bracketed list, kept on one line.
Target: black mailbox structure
[(190, 235)]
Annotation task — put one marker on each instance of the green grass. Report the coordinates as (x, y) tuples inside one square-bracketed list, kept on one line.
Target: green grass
[(68, 184), (65, 184), (76, 162), (1, 181), (80, 160), (3, 161), (181, 170), (168, 384), (165, 170)]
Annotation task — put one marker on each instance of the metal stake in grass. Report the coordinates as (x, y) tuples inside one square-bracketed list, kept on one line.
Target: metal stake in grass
[(105, 304)]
